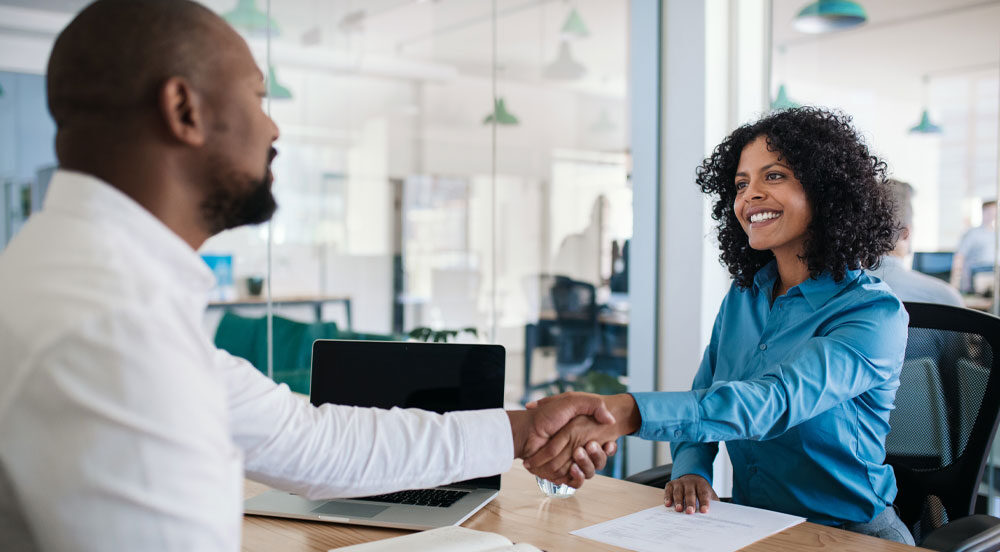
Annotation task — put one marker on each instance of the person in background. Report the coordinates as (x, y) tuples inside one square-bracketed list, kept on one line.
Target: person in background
[(122, 426), (976, 249), (910, 285), (801, 371)]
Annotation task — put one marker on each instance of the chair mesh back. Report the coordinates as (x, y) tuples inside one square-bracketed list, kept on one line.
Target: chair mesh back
[(576, 331), (574, 300), (946, 414)]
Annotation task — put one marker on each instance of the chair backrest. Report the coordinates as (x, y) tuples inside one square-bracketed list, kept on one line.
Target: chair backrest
[(951, 375), (15, 534), (247, 338), (576, 331), (574, 300)]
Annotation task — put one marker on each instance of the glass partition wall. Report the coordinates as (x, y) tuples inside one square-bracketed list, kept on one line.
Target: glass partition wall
[(447, 170)]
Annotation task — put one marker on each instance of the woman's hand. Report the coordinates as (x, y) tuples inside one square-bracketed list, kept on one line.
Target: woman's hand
[(687, 492)]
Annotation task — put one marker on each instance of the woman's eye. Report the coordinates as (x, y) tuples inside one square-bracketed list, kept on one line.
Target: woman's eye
[(774, 176), (741, 184)]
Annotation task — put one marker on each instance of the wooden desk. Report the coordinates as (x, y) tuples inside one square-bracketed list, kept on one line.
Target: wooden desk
[(315, 302), (522, 513)]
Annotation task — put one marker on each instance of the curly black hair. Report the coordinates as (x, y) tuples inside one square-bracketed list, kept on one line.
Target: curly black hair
[(853, 222)]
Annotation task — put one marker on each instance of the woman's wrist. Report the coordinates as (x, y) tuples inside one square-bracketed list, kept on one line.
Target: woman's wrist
[(626, 413)]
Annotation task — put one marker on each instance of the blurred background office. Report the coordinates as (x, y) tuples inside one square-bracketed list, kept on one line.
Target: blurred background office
[(521, 171)]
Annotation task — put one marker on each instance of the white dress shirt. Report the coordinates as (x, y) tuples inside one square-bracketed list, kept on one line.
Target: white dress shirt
[(124, 428), (910, 285)]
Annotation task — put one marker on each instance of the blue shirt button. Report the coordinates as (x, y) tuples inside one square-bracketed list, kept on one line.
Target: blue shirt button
[(677, 433), (752, 470), (763, 347)]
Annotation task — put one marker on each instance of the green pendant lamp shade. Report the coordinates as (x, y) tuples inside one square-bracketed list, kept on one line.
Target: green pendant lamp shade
[(500, 115), (826, 16), (275, 89), (247, 17), (925, 126), (782, 101), (574, 27)]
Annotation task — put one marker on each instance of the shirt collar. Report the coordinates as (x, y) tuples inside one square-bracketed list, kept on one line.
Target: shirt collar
[(817, 291), (80, 195), (891, 261)]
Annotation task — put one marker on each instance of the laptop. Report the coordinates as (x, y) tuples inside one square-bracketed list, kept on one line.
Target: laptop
[(440, 377)]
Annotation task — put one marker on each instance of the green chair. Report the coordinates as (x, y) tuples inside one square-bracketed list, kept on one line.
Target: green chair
[(247, 338)]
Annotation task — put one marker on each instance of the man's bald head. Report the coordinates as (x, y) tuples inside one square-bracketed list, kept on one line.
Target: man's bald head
[(108, 63), (162, 99)]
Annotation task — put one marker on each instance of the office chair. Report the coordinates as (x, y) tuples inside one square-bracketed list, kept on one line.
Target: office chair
[(15, 534), (952, 379), (574, 333), (938, 492)]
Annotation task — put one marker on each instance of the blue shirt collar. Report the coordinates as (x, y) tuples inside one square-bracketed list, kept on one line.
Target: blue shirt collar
[(817, 291)]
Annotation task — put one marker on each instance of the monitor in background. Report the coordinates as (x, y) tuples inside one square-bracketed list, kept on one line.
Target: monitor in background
[(934, 263)]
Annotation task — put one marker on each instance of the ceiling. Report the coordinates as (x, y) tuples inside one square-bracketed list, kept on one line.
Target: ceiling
[(902, 40), (454, 33)]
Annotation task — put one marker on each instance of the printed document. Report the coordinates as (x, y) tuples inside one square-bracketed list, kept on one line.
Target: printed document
[(726, 527)]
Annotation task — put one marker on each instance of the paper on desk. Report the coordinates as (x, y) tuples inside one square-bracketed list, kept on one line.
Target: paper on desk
[(726, 527)]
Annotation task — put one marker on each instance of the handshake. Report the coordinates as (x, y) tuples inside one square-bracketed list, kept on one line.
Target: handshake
[(565, 438)]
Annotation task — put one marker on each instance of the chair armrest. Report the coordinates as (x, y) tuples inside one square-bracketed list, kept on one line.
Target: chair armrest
[(654, 477), (975, 533)]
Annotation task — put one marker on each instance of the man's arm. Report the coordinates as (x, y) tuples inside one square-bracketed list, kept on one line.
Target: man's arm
[(339, 451)]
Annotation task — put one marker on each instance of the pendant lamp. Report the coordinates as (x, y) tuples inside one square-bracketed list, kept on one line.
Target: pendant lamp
[(500, 115), (247, 17), (574, 27), (782, 101), (276, 90), (925, 126), (825, 16), (564, 67)]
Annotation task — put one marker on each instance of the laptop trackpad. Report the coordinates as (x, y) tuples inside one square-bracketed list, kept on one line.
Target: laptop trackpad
[(345, 509)]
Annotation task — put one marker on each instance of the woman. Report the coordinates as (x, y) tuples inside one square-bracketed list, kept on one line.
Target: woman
[(803, 364)]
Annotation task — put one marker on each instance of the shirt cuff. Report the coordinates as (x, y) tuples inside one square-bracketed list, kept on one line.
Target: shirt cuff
[(487, 441), (668, 416), (694, 458)]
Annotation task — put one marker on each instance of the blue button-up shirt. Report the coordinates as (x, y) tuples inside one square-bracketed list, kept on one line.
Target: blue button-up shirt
[(800, 390)]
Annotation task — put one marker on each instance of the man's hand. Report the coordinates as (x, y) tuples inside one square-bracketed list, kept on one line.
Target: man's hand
[(533, 428), (687, 492)]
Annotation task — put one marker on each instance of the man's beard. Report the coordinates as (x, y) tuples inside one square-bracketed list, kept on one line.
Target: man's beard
[(236, 198)]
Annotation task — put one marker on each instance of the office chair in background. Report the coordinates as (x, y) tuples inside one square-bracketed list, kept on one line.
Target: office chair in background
[(247, 338), (946, 415)]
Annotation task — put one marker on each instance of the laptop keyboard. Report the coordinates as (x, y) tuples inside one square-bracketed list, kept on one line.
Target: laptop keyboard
[(440, 498)]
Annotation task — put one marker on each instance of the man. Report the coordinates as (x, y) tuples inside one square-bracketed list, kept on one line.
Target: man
[(907, 284), (122, 426), (977, 249)]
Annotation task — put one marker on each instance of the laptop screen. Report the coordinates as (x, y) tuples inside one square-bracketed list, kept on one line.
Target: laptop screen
[(440, 377)]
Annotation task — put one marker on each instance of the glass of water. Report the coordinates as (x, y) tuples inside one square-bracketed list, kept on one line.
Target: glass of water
[(552, 490)]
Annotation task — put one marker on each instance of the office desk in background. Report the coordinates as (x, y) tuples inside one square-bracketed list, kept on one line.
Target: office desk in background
[(523, 514), (315, 302)]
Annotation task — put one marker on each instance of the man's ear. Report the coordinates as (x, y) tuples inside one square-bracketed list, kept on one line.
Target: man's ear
[(181, 109)]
